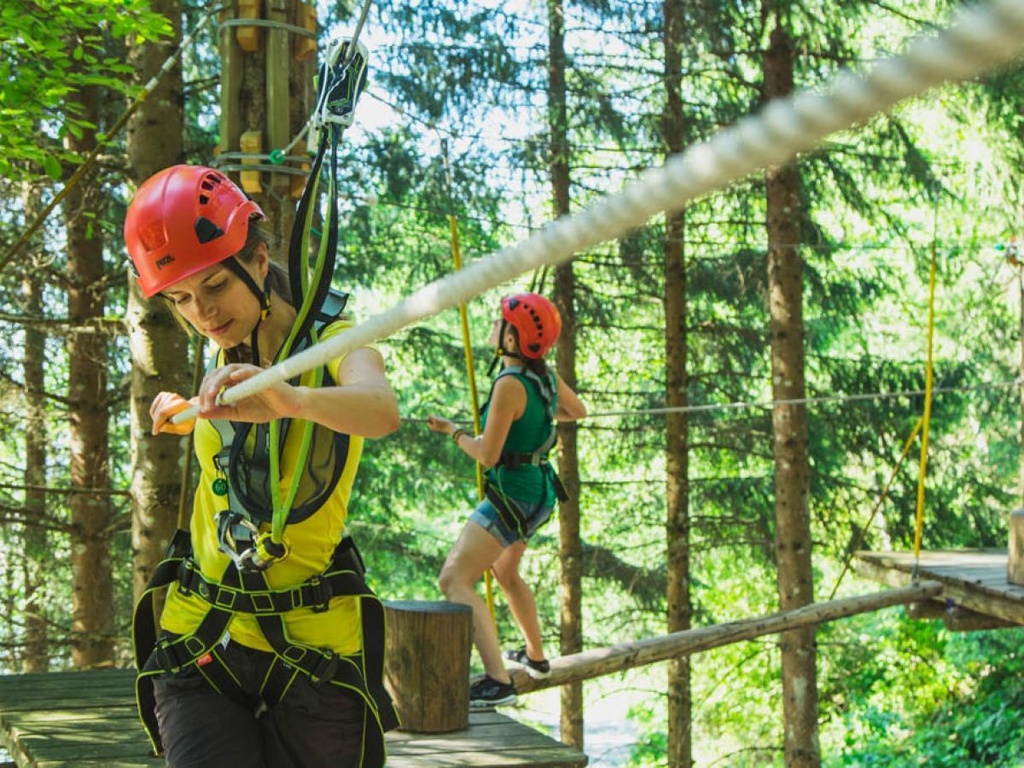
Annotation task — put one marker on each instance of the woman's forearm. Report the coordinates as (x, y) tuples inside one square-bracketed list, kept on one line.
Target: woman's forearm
[(365, 409)]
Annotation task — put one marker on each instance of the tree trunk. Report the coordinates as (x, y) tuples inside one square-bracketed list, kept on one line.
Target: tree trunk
[(677, 492), (267, 94), (92, 620), (34, 540), (159, 348), (789, 430), (1020, 369), (570, 551)]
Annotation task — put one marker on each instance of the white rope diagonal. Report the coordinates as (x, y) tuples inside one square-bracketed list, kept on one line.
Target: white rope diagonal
[(978, 40)]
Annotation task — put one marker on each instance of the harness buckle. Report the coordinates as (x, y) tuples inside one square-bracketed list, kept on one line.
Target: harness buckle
[(320, 591), (512, 460), (169, 656), (188, 576), (325, 668)]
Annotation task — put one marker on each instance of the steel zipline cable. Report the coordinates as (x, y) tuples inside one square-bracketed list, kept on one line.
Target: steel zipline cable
[(978, 40), (769, 404)]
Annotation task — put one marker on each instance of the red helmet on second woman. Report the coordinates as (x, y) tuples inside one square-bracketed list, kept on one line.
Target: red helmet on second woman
[(182, 220), (535, 319)]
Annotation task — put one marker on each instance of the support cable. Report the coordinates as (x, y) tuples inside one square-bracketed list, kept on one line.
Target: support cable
[(878, 505)]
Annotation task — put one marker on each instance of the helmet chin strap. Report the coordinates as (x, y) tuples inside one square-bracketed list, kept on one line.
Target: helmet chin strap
[(500, 351), (262, 296)]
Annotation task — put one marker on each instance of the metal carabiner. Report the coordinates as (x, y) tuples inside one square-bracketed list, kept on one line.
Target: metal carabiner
[(236, 537)]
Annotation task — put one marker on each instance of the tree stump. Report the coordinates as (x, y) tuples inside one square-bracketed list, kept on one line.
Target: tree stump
[(428, 645), (1015, 564)]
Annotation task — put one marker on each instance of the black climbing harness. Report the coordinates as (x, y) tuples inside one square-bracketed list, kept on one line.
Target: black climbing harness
[(247, 592), (245, 473), (511, 513)]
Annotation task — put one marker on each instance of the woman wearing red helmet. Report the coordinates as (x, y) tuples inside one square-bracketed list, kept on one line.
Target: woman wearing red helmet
[(256, 625), (521, 487)]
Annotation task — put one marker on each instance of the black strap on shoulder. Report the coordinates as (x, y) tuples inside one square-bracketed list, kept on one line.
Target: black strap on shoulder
[(513, 460), (544, 388)]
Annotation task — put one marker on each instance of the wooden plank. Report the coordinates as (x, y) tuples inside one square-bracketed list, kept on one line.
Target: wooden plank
[(471, 738), (550, 757), (496, 743), (89, 720), (492, 740), (973, 579), (960, 619), (32, 700)]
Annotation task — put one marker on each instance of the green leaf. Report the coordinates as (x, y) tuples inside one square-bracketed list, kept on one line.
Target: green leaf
[(52, 167)]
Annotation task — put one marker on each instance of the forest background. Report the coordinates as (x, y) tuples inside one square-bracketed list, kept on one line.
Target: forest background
[(467, 118)]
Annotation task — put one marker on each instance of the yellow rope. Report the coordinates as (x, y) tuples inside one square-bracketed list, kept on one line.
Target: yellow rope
[(467, 345), (919, 523), (878, 505)]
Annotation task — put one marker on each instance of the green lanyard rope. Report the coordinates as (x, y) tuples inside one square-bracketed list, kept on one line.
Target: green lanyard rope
[(312, 281)]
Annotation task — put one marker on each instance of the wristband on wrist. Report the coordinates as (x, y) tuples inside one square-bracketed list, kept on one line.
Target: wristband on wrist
[(456, 435)]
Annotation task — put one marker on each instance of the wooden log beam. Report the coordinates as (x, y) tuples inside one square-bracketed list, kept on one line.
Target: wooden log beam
[(956, 617), (605, 661)]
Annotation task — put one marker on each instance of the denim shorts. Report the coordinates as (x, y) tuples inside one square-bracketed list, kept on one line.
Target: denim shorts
[(487, 517)]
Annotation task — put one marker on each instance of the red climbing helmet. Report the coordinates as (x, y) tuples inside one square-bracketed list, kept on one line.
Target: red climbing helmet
[(182, 220), (535, 319)]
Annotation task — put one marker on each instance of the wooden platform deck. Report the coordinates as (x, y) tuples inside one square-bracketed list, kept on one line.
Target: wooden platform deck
[(89, 720), (974, 580)]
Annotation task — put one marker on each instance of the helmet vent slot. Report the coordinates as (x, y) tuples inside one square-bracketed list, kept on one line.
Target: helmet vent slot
[(152, 235), (206, 230)]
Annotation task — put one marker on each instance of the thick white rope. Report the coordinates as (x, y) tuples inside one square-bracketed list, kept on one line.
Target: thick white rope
[(978, 40)]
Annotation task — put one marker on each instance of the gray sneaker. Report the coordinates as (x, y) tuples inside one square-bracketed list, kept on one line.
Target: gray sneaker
[(488, 693), (536, 669)]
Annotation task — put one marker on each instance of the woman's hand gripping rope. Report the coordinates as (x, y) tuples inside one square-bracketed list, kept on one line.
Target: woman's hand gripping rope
[(168, 404), (277, 401)]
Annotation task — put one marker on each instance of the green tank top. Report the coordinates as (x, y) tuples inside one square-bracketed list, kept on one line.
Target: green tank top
[(527, 484)]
